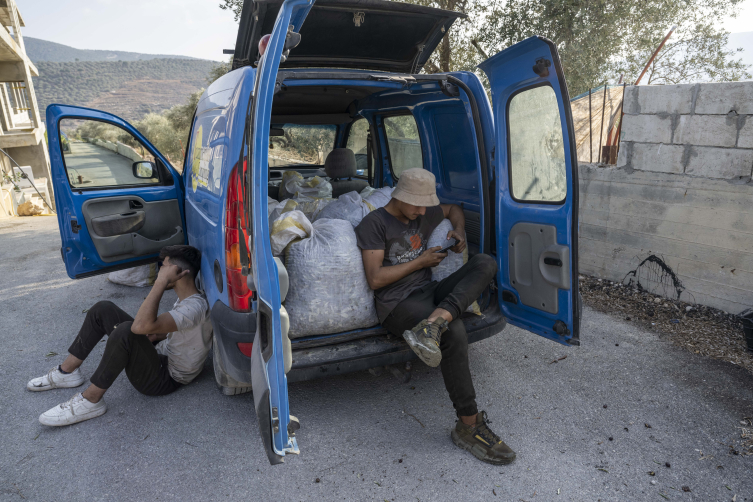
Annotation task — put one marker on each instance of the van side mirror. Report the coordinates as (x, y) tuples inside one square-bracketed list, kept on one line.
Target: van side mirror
[(144, 170)]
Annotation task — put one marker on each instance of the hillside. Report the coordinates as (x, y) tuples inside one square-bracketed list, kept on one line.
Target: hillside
[(129, 89), (43, 50)]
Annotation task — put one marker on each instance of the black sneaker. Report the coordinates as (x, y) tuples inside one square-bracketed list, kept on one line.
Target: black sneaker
[(424, 338), (482, 442)]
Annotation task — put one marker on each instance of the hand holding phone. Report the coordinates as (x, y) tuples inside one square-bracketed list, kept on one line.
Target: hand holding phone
[(446, 247)]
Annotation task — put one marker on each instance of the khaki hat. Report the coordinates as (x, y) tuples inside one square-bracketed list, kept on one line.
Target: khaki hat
[(417, 187)]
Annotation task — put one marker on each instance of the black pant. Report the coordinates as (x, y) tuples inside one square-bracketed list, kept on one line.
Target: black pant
[(454, 294), (144, 366)]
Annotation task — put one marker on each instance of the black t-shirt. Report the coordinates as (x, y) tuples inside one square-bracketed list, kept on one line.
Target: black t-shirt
[(401, 243)]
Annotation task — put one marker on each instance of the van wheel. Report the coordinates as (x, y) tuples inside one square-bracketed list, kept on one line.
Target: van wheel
[(234, 391), (227, 385)]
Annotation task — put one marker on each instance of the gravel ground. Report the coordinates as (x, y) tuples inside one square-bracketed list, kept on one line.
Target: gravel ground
[(701, 330), (593, 426)]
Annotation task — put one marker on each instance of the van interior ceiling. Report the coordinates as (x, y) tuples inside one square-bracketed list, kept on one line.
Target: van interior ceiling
[(446, 139)]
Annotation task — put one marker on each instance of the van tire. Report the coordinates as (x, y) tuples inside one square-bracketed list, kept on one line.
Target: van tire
[(227, 385)]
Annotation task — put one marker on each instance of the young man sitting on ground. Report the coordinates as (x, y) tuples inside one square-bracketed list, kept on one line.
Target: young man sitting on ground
[(154, 369), (425, 312)]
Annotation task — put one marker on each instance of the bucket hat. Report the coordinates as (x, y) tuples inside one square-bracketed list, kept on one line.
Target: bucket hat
[(417, 187)]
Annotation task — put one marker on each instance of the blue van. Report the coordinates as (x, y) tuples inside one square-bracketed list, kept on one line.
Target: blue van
[(335, 74)]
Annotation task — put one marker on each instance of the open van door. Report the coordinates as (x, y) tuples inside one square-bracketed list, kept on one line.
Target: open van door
[(536, 186), (119, 201), (268, 378)]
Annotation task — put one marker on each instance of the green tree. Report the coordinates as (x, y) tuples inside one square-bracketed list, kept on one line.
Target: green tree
[(599, 40)]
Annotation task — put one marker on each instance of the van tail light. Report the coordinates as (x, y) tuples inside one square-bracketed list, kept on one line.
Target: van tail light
[(238, 295), (245, 348)]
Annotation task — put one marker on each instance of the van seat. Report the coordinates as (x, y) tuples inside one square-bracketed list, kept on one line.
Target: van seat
[(341, 164)]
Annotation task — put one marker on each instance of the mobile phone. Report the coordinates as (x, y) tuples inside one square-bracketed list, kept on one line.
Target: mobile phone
[(452, 242)]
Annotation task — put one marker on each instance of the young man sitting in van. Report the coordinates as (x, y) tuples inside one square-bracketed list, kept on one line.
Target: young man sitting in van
[(159, 353), (425, 312)]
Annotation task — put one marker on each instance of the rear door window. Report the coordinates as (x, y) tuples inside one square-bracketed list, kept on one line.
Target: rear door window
[(403, 143), (295, 144), (537, 153), (358, 142)]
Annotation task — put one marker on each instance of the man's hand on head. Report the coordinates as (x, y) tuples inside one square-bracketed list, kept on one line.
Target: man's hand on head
[(458, 236), (170, 274)]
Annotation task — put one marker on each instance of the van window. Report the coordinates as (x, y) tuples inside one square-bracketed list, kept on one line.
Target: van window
[(98, 154), (301, 144), (403, 143), (537, 152), (357, 142)]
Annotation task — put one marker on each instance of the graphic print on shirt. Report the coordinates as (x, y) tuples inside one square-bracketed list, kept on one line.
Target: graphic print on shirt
[(407, 247)]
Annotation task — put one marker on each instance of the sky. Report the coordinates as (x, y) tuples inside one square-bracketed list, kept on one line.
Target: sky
[(196, 28)]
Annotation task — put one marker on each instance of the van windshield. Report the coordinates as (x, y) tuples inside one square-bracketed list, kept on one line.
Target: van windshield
[(295, 144)]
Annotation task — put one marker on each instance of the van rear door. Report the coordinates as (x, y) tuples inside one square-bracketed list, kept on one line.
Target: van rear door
[(268, 378), (536, 185)]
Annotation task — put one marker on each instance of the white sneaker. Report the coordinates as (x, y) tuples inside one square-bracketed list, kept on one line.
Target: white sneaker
[(75, 410), (55, 379)]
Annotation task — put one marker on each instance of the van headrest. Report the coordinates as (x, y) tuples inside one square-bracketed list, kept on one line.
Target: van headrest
[(340, 163)]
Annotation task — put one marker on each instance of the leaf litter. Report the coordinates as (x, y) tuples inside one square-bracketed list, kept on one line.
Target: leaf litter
[(702, 330)]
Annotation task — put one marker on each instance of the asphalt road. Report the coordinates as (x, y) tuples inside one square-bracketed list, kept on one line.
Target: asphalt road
[(99, 166), (366, 437)]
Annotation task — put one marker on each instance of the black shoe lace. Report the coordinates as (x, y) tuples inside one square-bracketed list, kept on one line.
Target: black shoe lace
[(486, 433)]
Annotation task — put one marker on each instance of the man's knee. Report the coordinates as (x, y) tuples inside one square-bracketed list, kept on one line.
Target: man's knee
[(121, 334), (101, 307), (485, 263)]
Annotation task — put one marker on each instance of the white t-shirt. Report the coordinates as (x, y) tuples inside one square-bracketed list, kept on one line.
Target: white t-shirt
[(187, 348)]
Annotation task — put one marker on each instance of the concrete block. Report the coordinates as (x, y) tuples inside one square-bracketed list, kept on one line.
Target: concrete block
[(630, 104), (722, 97), (745, 139), (665, 98), (706, 130), (625, 153), (721, 163), (647, 128), (657, 158)]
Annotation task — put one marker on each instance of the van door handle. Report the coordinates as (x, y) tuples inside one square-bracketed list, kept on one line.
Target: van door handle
[(556, 262), (134, 204)]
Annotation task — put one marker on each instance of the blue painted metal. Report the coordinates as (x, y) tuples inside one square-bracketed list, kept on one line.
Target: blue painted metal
[(263, 265), (79, 254), (509, 72), (221, 115)]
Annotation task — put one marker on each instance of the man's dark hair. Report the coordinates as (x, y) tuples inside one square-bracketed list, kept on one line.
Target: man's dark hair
[(186, 257)]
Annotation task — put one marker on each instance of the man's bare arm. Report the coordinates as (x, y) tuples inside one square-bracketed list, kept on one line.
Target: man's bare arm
[(455, 214), (147, 322), (379, 276)]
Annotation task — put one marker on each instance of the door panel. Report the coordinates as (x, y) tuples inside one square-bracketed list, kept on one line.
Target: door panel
[(127, 226), (267, 359), (119, 201), (537, 190)]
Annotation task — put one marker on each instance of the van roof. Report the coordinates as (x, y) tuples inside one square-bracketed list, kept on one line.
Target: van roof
[(364, 34)]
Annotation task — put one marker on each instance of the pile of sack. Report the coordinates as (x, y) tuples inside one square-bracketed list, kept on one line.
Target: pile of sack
[(294, 184), (314, 235)]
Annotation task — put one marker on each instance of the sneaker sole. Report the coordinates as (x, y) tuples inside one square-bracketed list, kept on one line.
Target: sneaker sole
[(431, 358), (59, 386), (479, 452), (76, 418)]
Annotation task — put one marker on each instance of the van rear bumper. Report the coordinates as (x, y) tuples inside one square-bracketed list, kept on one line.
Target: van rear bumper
[(359, 355), (230, 328)]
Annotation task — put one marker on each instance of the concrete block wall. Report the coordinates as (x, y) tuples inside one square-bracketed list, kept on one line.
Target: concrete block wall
[(676, 213), (703, 130)]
